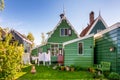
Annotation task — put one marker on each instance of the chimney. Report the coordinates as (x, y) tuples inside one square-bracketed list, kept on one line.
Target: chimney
[(91, 17), (61, 16)]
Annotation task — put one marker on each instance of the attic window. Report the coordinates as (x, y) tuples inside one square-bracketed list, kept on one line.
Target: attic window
[(65, 32)]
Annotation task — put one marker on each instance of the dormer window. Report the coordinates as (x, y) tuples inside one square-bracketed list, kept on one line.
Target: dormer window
[(65, 32)]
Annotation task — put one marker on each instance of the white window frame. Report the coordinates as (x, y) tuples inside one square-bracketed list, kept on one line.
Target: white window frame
[(68, 30), (82, 48), (55, 54)]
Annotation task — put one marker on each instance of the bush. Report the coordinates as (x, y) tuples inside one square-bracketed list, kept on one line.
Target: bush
[(106, 73), (114, 76), (33, 61), (78, 68), (10, 58), (98, 76)]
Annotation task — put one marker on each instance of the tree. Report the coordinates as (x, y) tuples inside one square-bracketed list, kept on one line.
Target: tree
[(10, 58), (2, 5), (30, 36), (43, 38)]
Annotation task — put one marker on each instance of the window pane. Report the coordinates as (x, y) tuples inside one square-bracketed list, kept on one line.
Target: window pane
[(80, 48), (62, 32), (69, 32), (66, 31), (54, 49)]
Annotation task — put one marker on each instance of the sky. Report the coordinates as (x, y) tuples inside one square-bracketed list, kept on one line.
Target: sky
[(41, 16)]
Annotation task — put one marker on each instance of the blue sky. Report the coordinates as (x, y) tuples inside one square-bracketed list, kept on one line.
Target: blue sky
[(37, 16)]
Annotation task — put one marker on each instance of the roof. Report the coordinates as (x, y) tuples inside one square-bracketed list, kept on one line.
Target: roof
[(78, 39), (114, 26), (84, 32), (89, 28), (64, 18), (21, 36)]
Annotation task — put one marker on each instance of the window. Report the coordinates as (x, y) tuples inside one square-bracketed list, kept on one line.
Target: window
[(99, 30), (62, 32), (54, 49), (80, 48), (65, 32)]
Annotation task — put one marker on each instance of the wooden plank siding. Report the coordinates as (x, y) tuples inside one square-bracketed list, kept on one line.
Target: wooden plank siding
[(102, 49), (72, 56), (34, 52), (99, 26), (56, 36), (118, 52)]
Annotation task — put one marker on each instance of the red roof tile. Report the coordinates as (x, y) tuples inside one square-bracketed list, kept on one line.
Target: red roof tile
[(84, 32)]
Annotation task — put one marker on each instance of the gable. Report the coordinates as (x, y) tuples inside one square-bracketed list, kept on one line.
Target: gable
[(99, 26), (95, 26), (20, 37), (56, 37)]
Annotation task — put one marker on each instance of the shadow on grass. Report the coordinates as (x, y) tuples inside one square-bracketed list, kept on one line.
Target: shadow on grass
[(47, 73)]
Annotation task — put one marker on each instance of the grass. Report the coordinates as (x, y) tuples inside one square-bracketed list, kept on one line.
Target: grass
[(47, 73)]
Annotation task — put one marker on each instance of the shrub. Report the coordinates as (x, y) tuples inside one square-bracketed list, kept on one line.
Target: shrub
[(10, 58), (106, 73), (114, 76), (98, 76), (33, 61), (77, 68)]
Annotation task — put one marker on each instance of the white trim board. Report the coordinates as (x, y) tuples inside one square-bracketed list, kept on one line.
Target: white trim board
[(114, 26), (59, 24), (98, 18), (22, 37), (75, 40)]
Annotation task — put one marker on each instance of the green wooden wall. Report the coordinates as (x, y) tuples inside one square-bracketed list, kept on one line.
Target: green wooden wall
[(72, 57), (43, 48), (56, 36), (34, 52), (102, 49), (99, 26), (118, 51), (38, 49)]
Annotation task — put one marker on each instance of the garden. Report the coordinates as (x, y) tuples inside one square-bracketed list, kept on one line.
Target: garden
[(47, 72), (63, 73)]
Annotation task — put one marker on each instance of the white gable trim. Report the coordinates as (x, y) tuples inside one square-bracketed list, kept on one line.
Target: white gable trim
[(72, 27), (99, 18), (114, 26), (22, 37), (59, 24), (74, 40)]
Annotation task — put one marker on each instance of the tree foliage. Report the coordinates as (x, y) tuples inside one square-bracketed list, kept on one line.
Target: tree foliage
[(30, 36), (10, 58), (2, 5)]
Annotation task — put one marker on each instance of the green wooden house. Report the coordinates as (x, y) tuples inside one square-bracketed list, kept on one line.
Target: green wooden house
[(63, 32), (107, 47), (79, 52)]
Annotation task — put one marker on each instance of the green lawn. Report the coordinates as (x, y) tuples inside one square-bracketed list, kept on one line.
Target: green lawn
[(47, 73)]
